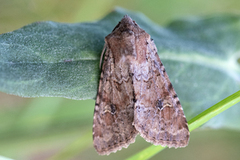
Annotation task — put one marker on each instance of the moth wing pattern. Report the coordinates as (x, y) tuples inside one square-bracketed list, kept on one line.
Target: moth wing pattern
[(135, 94), (114, 109), (158, 114)]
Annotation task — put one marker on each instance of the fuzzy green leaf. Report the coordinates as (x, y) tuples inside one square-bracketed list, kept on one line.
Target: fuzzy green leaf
[(49, 59)]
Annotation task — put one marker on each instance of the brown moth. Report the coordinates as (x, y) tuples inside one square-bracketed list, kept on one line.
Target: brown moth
[(135, 94)]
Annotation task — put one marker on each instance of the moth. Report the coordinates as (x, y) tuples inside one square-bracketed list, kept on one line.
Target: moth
[(135, 95)]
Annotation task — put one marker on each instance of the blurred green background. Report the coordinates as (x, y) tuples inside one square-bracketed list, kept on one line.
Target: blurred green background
[(58, 128)]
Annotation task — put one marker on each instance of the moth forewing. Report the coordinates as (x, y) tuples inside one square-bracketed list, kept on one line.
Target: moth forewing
[(114, 109), (158, 114)]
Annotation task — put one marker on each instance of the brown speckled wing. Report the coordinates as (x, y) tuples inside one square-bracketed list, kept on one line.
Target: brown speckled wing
[(114, 110), (158, 114)]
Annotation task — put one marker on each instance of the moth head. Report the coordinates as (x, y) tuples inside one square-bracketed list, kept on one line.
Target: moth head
[(127, 20), (126, 25)]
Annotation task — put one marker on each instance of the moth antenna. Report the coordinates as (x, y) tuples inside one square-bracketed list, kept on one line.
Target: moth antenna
[(103, 51)]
